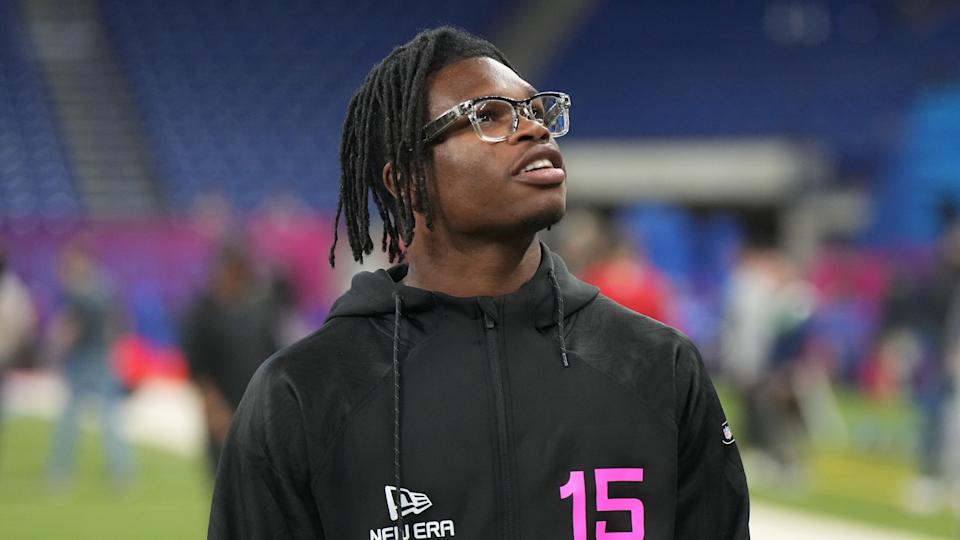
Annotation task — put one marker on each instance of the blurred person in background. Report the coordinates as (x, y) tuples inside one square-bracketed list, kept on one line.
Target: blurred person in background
[(289, 323), (528, 402), (931, 310), (947, 290), (768, 308), (81, 335), (577, 237), (228, 331), (18, 322), (625, 276)]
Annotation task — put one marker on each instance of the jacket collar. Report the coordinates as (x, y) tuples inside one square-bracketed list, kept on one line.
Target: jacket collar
[(372, 295)]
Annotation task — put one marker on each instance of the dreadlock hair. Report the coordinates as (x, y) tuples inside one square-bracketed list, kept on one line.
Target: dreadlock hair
[(383, 125)]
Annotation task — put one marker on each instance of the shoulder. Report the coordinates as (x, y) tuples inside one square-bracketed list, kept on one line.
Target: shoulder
[(649, 358), (309, 388), (335, 367), (341, 344), (607, 321)]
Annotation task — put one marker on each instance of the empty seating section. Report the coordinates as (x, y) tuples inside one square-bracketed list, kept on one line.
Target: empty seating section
[(34, 177), (247, 97), (650, 69)]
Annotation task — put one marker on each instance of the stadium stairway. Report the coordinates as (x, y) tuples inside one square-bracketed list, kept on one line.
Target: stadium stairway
[(99, 123)]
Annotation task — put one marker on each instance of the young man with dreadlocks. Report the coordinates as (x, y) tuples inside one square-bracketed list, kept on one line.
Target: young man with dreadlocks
[(478, 390)]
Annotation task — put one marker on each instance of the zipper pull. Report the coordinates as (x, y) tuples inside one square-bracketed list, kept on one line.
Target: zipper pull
[(488, 322)]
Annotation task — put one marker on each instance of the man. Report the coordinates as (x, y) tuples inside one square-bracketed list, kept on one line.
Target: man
[(929, 309), (81, 336), (227, 333), (478, 391)]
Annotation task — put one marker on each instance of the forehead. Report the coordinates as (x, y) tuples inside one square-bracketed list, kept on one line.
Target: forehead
[(474, 77)]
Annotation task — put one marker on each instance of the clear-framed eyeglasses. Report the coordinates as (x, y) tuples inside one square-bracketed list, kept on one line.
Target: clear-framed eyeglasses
[(494, 118)]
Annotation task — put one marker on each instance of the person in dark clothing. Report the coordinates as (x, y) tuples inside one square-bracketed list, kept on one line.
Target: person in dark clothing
[(226, 335), (476, 390), (928, 308)]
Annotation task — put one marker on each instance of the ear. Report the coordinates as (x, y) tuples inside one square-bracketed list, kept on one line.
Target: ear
[(388, 179), (392, 188)]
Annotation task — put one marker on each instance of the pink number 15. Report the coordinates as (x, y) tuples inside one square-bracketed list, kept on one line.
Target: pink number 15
[(576, 488)]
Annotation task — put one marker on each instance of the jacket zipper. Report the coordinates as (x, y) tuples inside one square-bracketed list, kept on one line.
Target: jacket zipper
[(503, 452)]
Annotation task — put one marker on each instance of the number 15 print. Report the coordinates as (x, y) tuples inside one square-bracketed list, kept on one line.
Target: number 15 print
[(576, 488)]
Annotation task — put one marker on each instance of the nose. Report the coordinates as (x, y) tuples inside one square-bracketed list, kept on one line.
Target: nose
[(528, 129)]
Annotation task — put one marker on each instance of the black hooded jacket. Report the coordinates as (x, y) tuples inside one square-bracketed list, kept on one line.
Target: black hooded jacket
[(605, 426)]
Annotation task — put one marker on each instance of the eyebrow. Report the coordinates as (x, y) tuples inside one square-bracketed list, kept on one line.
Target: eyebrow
[(530, 92), (529, 88)]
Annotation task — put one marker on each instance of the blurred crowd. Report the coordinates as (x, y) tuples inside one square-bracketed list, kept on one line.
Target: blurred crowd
[(785, 337)]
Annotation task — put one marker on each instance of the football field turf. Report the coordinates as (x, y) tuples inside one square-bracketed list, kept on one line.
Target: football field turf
[(863, 477), (168, 498)]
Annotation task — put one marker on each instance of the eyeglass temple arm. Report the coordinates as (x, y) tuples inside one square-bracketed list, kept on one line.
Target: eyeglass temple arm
[(439, 125)]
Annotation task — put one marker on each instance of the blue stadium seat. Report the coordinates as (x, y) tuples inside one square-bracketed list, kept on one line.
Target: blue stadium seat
[(34, 174), (248, 97)]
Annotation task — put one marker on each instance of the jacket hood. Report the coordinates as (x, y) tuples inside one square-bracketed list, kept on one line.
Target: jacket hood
[(372, 295)]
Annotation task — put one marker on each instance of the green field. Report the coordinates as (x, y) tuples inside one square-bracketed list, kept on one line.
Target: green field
[(863, 487), (169, 497), (863, 477)]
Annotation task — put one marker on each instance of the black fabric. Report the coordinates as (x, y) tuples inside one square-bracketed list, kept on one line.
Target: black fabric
[(225, 343), (493, 424)]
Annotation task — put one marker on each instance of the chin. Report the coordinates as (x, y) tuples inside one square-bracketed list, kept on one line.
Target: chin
[(545, 218)]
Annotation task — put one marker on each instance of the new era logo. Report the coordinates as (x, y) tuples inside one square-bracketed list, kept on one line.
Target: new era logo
[(411, 502)]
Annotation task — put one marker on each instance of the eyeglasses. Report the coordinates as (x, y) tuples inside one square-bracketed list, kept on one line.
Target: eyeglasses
[(495, 118)]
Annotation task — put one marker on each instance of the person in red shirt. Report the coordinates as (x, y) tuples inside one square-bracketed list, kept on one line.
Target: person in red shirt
[(626, 277)]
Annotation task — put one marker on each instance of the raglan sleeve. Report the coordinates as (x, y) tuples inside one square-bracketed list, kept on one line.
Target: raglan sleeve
[(262, 487), (712, 497)]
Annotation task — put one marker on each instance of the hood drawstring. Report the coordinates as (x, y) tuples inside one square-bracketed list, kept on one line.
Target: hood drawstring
[(559, 302), (396, 411)]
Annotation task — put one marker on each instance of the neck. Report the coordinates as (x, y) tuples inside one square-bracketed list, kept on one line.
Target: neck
[(472, 267)]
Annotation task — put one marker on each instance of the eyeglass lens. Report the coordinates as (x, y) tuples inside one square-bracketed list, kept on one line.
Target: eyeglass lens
[(495, 117)]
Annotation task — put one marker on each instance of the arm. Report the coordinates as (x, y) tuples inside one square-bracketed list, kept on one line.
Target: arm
[(263, 484), (217, 411), (203, 356), (712, 498)]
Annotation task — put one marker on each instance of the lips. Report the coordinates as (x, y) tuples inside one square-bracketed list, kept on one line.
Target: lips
[(540, 165)]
